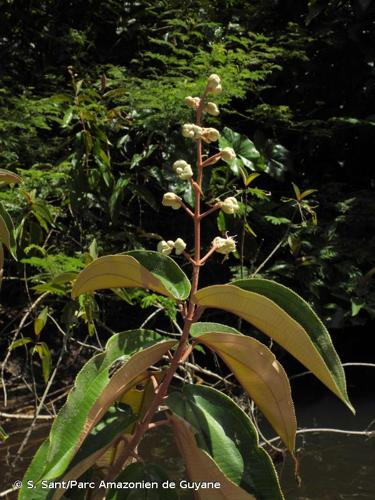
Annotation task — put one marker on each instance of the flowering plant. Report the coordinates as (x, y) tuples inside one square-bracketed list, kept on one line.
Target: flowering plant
[(120, 394)]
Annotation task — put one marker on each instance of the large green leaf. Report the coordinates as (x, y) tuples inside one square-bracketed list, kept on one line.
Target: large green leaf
[(288, 319), (138, 268), (258, 371), (94, 392), (137, 473), (229, 437), (246, 153), (97, 443)]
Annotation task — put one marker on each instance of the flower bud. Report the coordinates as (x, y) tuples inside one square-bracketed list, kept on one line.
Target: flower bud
[(171, 200), (228, 154), (180, 246), (213, 134), (214, 83), (191, 131), (212, 109), (210, 135), (230, 205), (224, 245), (192, 102), (183, 170), (165, 247)]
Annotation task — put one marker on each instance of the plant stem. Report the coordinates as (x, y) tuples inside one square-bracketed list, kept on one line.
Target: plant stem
[(183, 349)]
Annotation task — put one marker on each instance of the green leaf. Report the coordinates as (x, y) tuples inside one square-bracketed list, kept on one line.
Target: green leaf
[(307, 193), (297, 192), (94, 392), (93, 249), (283, 315), (20, 342), (3, 434), (7, 231), (67, 117), (98, 443), (227, 434), (277, 221), (139, 472), (241, 144), (356, 308), (135, 269), (117, 197), (259, 373), (248, 179), (40, 321), (32, 473), (44, 354)]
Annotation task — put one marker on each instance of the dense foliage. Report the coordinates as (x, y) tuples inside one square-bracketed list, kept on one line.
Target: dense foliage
[(91, 106)]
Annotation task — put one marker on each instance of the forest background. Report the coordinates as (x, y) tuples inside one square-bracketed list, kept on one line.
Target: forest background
[(91, 106)]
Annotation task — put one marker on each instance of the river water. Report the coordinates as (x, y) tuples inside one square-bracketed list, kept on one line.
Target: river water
[(332, 466)]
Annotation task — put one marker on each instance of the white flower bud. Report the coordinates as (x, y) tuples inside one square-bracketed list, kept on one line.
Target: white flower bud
[(213, 82), (192, 102), (210, 135), (228, 154), (224, 245), (230, 205), (191, 131), (212, 109), (213, 134), (180, 246), (165, 247), (172, 200), (183, 170)]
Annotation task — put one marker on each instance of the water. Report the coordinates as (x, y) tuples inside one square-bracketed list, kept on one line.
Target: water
[(332, 466)]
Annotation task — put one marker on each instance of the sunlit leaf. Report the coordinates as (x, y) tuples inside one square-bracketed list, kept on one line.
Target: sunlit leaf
[(40, 321), (94, 392), (259, 373), (138, 268), (20, 342), (288, 319)]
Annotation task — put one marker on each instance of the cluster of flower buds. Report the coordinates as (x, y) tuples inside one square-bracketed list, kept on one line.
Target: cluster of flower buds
[(224, 245), (229, 205), (214, 84), (191, 131), (228, 154), (195, 132), (192, 102), (172, 200), (183, 170), (166, 247)]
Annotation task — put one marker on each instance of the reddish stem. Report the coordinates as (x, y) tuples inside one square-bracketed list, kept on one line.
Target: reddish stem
[(183, 350), (211, 210)]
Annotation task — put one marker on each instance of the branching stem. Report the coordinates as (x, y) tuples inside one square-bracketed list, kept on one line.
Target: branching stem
[(183, 349)]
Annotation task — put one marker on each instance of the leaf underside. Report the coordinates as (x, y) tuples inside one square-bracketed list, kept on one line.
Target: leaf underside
[(136, 269), (288, 319), (259, 373)]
